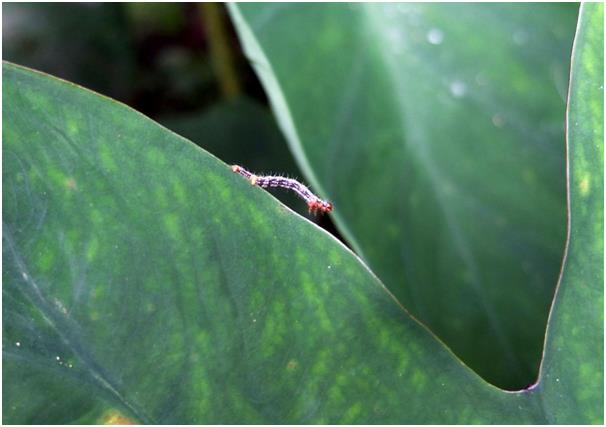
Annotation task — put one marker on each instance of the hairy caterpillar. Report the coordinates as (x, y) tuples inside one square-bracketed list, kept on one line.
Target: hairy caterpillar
[(314, 203)]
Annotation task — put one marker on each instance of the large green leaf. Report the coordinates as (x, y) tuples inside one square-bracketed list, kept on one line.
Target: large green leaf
[(572, 371), (438, 132), (142, 279)]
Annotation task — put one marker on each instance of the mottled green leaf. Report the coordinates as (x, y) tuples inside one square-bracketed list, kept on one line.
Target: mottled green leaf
[(144, 281), (572, 372), (438, 132)]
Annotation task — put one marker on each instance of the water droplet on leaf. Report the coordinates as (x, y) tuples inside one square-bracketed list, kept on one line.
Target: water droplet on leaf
[(458, 89), (435, 36)]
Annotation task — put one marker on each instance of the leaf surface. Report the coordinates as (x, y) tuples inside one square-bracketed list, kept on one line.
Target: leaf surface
[(144, 281), (441, 143), (572, 372)]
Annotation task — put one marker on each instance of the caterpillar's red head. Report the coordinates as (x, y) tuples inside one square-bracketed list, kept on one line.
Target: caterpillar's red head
[(319, 206)]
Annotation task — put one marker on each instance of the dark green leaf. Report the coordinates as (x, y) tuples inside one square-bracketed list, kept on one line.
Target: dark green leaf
[(572, 372), (438, 132), (143, 279)]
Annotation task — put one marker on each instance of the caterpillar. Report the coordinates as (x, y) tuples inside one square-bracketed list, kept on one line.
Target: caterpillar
[(314, 203)]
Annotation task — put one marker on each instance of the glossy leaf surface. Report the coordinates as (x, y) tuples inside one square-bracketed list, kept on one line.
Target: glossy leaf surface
[(143, 279), (441, 143), (572, 373)]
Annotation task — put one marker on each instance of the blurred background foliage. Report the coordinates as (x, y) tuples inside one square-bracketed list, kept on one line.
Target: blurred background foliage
[(179, 63)]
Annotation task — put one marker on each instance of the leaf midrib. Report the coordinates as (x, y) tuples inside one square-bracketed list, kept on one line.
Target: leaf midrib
[(53, 316)]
